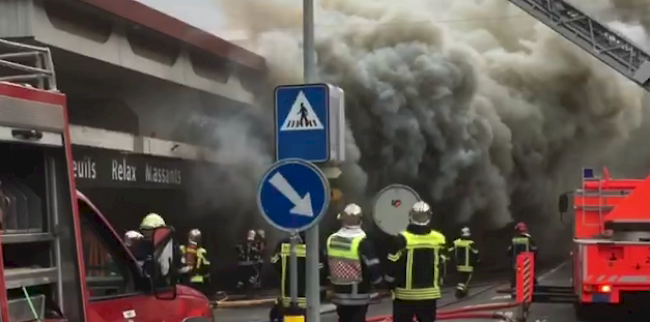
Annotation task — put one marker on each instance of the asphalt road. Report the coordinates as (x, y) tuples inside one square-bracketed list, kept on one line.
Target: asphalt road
[(480, 294)]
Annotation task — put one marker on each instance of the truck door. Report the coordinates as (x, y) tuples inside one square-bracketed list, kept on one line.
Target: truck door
[(118, 290)]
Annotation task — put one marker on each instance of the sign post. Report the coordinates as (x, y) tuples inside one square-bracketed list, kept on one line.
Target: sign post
[(293, 196)]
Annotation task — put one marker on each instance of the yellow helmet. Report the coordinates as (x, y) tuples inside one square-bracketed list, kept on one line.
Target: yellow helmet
[(151, 221)]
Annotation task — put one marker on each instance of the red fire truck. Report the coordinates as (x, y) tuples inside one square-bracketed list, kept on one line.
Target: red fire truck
[(51, 235), (611, 256)]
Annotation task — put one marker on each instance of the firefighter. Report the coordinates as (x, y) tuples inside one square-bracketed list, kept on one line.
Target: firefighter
[(413, 268), (353, 267), (148, 224), (248, 256), (280, 261), (260, 240), (522, 241), (194, 256), (465, 257)]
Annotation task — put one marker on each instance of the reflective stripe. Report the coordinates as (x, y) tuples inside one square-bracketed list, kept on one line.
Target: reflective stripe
[(285, 253), (350, 299), (302, 302), (389, 279), (417, 294), (245, 263), (463, 245), (197, 279), (371, 262), (433, 241)]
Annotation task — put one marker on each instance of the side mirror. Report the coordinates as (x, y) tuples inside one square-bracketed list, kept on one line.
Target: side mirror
[(163, 266)]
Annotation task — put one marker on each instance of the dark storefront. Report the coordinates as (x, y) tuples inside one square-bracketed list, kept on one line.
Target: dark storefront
[(127, 186)]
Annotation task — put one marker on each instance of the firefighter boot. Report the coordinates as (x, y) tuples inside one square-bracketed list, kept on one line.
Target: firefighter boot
[(461, 291)]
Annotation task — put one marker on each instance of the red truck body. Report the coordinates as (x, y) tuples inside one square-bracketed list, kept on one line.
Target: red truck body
[(52, 236), (611, 257)]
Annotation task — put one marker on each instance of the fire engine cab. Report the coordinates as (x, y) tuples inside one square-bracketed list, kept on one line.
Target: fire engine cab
[(52, 236)]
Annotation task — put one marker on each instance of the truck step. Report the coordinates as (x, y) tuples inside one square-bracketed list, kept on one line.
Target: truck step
[(25, 277), (554, 289), (542, 297), (26, 238)]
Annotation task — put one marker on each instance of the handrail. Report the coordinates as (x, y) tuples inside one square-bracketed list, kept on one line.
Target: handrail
[(41, 70)]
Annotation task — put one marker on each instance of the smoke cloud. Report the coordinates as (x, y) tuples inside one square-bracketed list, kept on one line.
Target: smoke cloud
[(483, 110)]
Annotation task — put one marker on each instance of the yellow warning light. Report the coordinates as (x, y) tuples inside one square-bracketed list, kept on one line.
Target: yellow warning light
[(336, 194)]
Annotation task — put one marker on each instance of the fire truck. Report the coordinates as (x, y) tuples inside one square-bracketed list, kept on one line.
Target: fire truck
[(60, 258), (611, 255)]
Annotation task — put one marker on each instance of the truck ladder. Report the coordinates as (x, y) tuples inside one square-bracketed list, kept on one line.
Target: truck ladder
[(26, 63), (610, 47)]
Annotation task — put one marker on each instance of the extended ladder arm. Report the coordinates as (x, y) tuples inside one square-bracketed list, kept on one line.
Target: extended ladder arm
[(584, 31), (13, 56)]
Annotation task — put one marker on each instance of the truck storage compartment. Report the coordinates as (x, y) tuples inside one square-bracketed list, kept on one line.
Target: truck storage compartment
[(620, 263), (22, 188)]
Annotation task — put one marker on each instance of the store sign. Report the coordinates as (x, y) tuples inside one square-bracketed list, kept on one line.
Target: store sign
[(101, 168)]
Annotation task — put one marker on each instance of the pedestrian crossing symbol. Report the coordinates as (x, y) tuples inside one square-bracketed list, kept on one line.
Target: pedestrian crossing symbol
[(301, 117)]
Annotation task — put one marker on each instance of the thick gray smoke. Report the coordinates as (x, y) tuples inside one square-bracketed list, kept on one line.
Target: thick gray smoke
[(472, 102), (483, 110)]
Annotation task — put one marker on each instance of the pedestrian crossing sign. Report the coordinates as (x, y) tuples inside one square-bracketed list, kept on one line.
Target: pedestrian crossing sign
[(301, 117)]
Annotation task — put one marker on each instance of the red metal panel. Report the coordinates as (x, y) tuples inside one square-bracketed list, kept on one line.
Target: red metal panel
[(525, 277)]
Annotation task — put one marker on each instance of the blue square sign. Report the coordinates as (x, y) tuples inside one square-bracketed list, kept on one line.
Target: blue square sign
[(302, 122)]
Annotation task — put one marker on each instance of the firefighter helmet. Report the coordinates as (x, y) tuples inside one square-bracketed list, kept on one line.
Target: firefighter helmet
[(521, 228), (420, 214), (152, 221), (351, 215), (261, 233), (194, 236), (465, 232)]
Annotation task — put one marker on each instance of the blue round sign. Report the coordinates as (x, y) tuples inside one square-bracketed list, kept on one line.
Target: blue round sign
[(293, 195)]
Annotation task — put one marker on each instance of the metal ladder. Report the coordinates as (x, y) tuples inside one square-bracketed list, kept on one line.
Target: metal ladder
[(608, 46), (25, 220), (27, 63)]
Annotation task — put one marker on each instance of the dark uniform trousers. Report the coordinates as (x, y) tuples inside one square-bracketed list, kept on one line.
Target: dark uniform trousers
[(352, 313), (423, 310)]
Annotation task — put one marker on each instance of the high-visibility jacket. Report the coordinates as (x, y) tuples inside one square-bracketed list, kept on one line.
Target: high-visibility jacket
[(280, 261), (465, 254), (353, 267), (414, 268), (521, 243), (201, 269)]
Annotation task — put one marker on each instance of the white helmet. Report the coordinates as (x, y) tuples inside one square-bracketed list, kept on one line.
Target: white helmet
[(465, 232), (420, 214), (351, 215), (251, 235), (152, 221)]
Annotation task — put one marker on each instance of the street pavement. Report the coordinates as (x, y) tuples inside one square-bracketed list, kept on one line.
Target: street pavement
[(480, 294)]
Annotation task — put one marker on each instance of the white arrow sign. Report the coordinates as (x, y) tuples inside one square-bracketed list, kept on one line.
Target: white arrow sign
[(302, 206)]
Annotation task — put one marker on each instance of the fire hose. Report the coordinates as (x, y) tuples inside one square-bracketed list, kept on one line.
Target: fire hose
[(467, 312)]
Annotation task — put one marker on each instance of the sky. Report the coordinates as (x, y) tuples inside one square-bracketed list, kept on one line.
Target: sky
[(204, 14)]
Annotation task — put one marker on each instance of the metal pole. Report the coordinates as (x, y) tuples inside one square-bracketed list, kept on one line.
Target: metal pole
[(293, 272), (312, 245)]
